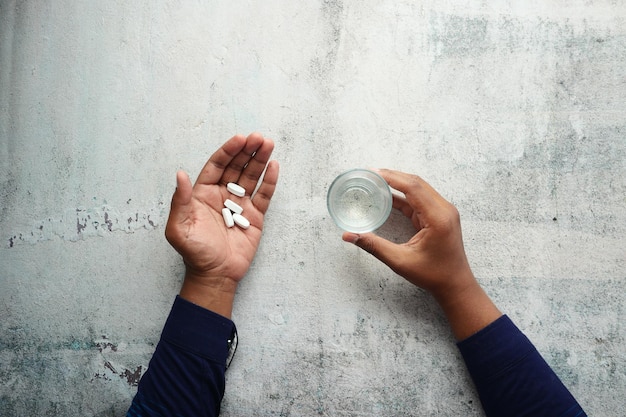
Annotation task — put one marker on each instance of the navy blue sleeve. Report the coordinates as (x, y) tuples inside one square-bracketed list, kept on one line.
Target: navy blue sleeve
[(186, 373), (511, 377)]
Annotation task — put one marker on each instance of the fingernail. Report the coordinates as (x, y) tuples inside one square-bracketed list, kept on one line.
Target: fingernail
[(354, 238)]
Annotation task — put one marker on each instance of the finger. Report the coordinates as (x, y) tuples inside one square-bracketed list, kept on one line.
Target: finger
[(181, 206), (183, 192), (253, 171), (387, 252), (400, 204), (419, 194), (261, 199), (233, 171), (213, 170)]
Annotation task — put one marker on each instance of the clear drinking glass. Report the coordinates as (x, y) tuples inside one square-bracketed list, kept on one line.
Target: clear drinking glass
[(359, 201)]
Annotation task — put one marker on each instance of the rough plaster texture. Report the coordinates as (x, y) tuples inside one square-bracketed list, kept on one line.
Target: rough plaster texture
[(515, 111)]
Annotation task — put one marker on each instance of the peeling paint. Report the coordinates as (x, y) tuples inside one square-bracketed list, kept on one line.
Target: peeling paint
[(110, 370), (92, 222), (109, 373)]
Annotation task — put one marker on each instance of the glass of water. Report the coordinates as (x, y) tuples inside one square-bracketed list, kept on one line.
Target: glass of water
[(359, 201)]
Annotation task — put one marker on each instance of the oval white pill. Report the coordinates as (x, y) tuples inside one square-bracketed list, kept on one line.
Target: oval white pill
[(234, 207), (241, 221), (236, 189), (228, 217)]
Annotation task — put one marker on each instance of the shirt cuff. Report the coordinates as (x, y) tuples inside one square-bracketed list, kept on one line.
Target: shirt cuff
[(199, 331), (494, 349)]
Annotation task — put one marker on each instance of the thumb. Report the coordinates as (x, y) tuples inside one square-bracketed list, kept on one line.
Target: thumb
[(182, 197), (386, 251)]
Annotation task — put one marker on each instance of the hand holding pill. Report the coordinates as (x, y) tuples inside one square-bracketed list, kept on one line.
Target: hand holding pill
[(216, 252)]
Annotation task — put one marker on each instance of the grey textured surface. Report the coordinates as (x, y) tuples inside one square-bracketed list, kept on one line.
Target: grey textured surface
[(516, 112)]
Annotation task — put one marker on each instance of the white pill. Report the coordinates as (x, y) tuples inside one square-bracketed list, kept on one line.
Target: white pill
[(228, 217), (241, 221), (236, 189), (234, 207)]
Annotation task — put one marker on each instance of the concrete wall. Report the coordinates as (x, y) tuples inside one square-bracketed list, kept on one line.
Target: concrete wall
[(515, 111)]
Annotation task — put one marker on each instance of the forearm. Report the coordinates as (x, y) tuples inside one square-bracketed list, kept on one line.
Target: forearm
[(511, 377), (186, 373)]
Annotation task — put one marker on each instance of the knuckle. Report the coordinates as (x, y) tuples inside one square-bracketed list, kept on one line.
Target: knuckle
[(448, 220), (453, 215)]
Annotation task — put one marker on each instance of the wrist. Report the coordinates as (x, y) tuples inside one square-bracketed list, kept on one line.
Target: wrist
[(455, 289), (467, 306), (216, 294)]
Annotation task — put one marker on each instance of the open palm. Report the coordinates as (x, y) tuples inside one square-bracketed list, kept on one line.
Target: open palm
[(215, 255)]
